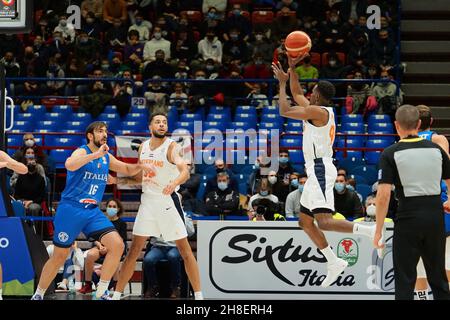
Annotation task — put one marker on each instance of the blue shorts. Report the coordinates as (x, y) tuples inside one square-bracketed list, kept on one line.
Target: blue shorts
[(71, 219), (447, 224)]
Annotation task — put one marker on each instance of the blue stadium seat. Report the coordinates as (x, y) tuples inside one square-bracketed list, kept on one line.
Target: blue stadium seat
[(351, 143), (68, 141), (63, 109), (220, 125), (218, 117), (111, 141), (352, 118), (37, 109), (136, 117), (23, 126), (137, 126), (351, 135), (373, 142), (294, 127), (270, 126), (372, 157), (82, 116), (296, 157), (201, 191), (272, 118), (14, 140), (244, 117), (26, 117), (390, 139), (378, 118), (357, 155), (242, 125), (113, 125), (108, 117), (290, 143), (246, 110), (110, 109), (59, 156), (364, 190), (358, 178), (124, 132), (368, 171), (190, 117), (243, 188), (384, 127), (139, 109), (219, 110), (48, 125), (189, 126), (270, 110), (56, 116), (78, 126), (357, 127)]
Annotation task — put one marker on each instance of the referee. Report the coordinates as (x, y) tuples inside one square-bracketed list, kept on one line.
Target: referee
[(415, 166)]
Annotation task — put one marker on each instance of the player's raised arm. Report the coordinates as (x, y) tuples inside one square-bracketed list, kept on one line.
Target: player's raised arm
[(80, 157), (127, 169), (10, 163), (294, 83), (130, 180)]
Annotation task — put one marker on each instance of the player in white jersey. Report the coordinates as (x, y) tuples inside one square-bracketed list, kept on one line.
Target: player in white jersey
[(319, 129), (160, 213)]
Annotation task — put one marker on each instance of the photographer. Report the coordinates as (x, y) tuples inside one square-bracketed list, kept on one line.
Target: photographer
[(267, 210), (265, 192)]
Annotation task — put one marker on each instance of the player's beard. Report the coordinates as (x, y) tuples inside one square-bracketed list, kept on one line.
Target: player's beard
[(157, 135), (98, 143)]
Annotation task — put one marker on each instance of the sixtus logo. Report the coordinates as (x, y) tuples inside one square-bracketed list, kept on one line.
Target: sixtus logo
[(4, 243), (348, 250), (235, 146)]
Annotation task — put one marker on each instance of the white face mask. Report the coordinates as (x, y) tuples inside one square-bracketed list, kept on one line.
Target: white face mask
[(371, 210), (157, 35), (272, 179)]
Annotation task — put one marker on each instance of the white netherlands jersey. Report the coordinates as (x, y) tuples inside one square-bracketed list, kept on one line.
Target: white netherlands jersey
[(318, 141), (164, 172)]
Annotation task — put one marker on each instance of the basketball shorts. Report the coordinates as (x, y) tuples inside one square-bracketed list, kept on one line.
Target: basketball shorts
[(160, 216), (73, 218), (318, 194)]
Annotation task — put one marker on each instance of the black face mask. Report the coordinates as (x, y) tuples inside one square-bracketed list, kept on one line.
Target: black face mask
[(219, 170), (31, 167)]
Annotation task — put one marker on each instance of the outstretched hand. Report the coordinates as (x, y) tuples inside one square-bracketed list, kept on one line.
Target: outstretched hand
[(279, 73), (294, 61)]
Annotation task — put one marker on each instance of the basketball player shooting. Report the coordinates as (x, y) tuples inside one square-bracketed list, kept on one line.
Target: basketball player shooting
[(317, 202), (160, 212)]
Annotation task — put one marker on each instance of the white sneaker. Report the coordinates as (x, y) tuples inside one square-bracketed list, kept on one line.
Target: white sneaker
[(334, 270), (61, 286)]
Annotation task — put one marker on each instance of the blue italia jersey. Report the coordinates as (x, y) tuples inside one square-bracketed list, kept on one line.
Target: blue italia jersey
[(87, 184), (426, 134)]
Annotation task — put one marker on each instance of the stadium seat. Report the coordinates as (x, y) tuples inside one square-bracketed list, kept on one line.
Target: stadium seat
[(67, 141), (316, 59), (349, 143), (224, 118), (136, 117), (14, 140), (219, 110), (352, 118), (372, 157), (374, 142), (270, 110), (110, 109), (78, 126), (193, 16), (357, 127), (37, 109), (262, 17), (26, 117), (378, 118), (294, 127), (270, 126), (63, 109), (385, 127), (242, 125), (364, 190), (246, 110), (358, 179), (357, 155), (59, 156), (190, 117), (124, 132), (243, 188), (368, 171), (189, 126), (48, 125), (245, 117), (136, 126), (290, 143), (296, 157), (56, 116), (219, 125), (82, 116), (139, 109), (272, 117)]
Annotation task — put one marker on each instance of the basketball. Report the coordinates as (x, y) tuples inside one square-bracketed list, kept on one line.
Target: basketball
[(297, 43)]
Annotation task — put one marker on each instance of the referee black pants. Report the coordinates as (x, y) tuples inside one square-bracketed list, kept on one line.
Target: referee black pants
[(415, 238)]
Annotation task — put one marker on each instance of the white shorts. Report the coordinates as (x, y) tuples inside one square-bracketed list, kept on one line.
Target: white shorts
[(421, 273), (318, 190), (160, 216)]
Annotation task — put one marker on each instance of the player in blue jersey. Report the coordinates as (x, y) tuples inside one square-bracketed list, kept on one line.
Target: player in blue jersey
[(426, 133), (78, 211), (7, 162)]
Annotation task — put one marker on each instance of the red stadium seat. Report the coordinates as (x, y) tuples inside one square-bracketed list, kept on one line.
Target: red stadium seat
[(260, 17), (291, 13), (243, 13), (315, 59), (193, 16), (342, 57)]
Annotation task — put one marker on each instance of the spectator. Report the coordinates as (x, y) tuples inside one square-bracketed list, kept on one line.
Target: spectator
[(122, 93), (358, 91), (359, 52), (264, 192), (11, 43), (393, 202), (178, 98), (383, 50), (142, 26), (94, 6), (87, 49), (222, 200), (74, 263), (256, 98), (370, 210), (361, 26), (285, 168), (307, 71), (158, 67), (255, 177), (351, 185), (12, 68), (134, 52), (314, 9), (41, 51), (114, 9), (67, 29), (257, 69), (168, 9), (386, 95), (114, 211), (58, 45), (30, 189), (291, 4), (334, 34), (284, 24), (91, 26), (342, 171), (260, 45), (292, 208), (237, 21), (55, 71), (157, 250), (220, 5), (312, 31), (156, 43), (201, 89), (29, 154), (267, 210), (116, 36), (334, 69), (184, 48), (190, 187), (346, 202), (210, 47), (99, 93), (30, 142), (352, 9), (211, 69), (211, 184), (212, 20)]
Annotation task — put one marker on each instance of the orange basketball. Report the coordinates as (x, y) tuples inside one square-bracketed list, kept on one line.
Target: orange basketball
[(297, 43)]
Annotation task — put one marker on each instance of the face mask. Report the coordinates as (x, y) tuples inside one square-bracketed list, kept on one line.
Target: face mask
[(218, 170), (301, 187), (264, 193), (209, 67), (272, 179), (29, 143), (258, 61), (237, 12), (157, 35), (37, 43), (211, 15), (259, 37), (332, 63), (129, 90), (283, 160), (334, 20), (63, 23), (90, 20), (111, 211), (294, 183), (308, 25), (83, 40), (200, 78), (371, 210), (105, 66), (138, 22), (222, 185), (234, 36), (57, 38), (350, 187), (340, 187)]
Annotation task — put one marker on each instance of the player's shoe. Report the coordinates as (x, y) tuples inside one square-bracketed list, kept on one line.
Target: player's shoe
[(61, 287), (37, 297), (87, 288), (334, 270)]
